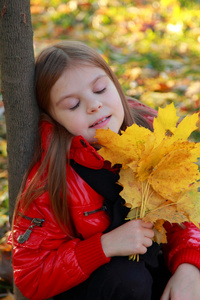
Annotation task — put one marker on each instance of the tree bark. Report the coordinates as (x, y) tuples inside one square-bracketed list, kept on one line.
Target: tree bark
[(17, 76)]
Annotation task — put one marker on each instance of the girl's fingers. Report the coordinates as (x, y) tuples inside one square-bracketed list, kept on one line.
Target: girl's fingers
[(149, 233), (147, 242), (147, 224), (143, 250)]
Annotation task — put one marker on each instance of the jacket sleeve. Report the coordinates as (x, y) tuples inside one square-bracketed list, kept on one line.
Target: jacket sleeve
[(183, 245), (50, 262)]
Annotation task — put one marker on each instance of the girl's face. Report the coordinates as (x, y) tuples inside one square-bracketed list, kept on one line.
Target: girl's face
[(84, 99)]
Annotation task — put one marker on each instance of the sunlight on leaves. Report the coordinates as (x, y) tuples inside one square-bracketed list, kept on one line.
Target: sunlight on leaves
[(159, 171)]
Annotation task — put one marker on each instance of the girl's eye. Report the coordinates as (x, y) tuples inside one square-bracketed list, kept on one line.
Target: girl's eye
[(75, 106), (100, 91)]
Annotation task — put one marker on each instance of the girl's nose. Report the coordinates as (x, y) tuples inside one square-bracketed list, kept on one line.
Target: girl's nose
[(93, 107)]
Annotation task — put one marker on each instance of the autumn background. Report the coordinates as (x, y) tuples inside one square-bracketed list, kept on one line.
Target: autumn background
[(152, 46)]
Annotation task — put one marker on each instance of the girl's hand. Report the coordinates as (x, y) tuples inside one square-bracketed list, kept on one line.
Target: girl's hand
[(130, 238), (184, 284)]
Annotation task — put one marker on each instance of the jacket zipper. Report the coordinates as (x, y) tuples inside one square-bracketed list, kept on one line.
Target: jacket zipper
[(34, 222), (87, 213)]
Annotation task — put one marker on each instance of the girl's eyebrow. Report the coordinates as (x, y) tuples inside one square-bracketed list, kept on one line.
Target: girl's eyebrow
[(72, 95)]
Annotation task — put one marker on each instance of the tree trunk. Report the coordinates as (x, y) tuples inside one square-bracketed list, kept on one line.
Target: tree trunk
[(17, 75)]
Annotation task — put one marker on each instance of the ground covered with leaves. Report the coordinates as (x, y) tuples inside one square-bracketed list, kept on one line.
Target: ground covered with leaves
[(152, 46)]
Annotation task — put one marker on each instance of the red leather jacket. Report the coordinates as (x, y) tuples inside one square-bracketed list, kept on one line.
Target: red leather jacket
[(50, 261)]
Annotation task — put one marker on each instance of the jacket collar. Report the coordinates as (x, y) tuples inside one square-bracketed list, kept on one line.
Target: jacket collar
[(84, 154), (80, 151)]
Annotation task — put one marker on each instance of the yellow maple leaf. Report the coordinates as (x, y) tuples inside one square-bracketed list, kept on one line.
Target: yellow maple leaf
[(132, 188), (150, 157), (165, 123), (189, 202), (129, 145), (8, 296), (186, 127), (159, 173), (168, 212), (174, 174), (110, 141), (135, 192), (159, 232)]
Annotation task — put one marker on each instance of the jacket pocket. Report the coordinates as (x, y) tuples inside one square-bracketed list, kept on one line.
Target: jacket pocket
[(87, 213)]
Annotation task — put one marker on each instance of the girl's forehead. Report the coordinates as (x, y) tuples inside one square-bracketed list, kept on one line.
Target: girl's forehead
[(83, 70), (77, 77), (85, 64)]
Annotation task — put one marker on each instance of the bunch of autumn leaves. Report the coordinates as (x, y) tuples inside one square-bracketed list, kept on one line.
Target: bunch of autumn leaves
[(159, 173)]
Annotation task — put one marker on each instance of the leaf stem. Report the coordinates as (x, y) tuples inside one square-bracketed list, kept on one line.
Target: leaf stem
[(161, 207), (145, 198)]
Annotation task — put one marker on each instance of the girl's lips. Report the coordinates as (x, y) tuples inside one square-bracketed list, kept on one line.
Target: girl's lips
[(101, 122)]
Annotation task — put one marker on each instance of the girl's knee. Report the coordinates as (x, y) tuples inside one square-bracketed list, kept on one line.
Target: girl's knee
[(138, 285), (131, 280)]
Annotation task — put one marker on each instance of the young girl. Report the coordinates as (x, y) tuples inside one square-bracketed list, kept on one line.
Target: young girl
[(70, 240)]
